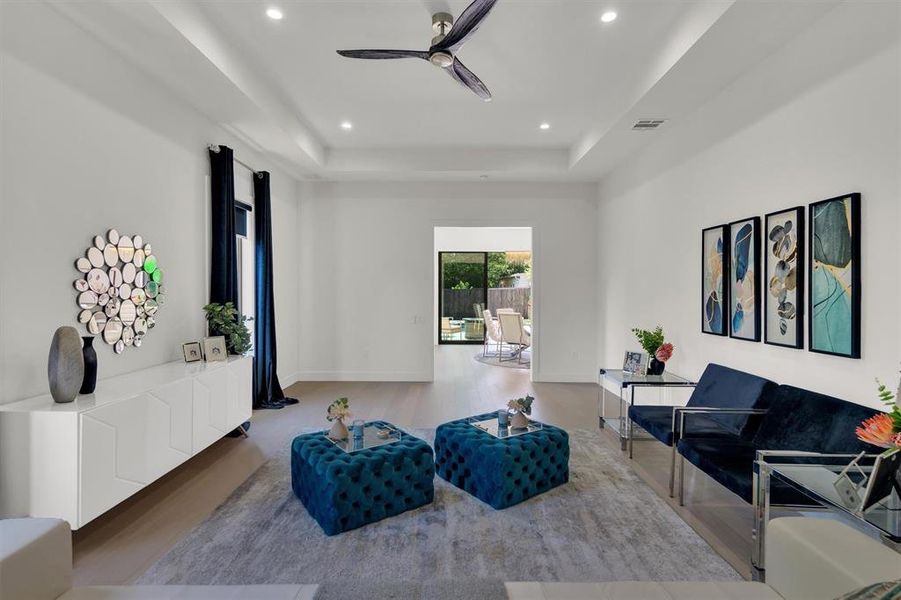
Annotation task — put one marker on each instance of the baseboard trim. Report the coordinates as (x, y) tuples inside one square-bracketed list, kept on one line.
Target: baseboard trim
[(404, 376), (543, 377), (289, 380)]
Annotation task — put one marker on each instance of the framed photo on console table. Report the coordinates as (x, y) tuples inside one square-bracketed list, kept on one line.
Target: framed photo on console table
[(714, 279), (744, 280), (834, 299), (784, 267)]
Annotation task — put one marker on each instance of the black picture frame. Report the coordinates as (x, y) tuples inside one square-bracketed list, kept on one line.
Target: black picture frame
[(723, 231), (754, 248), (800, 261), (814, 303)]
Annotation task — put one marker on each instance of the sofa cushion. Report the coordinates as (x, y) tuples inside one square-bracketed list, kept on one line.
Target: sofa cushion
[(642, 590), (731, 463), (658, 421), (804, 420), (35, 558), (723, 387), (824, 558), (192, 592)]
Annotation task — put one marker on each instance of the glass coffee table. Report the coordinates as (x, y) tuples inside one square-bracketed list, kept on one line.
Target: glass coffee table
[(815, 479), (628, 381), (493, 427), (374, 435)]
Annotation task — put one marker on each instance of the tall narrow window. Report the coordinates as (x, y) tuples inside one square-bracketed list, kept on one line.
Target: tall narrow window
[(244, 259)]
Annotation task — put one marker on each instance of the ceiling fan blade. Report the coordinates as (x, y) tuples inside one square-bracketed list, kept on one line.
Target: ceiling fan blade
[(383, 54), (466, 25), (458, 71)]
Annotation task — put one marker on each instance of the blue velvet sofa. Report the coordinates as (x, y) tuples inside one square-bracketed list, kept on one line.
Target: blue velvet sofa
[(797, 420), (735, 392)]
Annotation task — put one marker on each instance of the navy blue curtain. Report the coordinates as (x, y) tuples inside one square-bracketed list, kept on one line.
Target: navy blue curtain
[(267, 392), (223, 262)]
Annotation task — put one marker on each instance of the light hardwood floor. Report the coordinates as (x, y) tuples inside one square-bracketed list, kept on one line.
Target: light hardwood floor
[(120, 545)]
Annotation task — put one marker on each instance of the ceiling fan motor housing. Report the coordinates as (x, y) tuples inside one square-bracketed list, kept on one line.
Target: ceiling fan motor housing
[(441, 24)]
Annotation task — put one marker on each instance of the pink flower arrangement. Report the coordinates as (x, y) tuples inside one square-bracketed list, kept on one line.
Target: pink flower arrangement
[(879, 431), (664, 352)]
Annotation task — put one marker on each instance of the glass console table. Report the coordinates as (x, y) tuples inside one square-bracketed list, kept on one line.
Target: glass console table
[(628, 381), (816, 482)]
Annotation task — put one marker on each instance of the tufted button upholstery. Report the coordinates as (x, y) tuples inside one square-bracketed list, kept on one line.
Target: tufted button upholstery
[(344, 491), (501, 472)]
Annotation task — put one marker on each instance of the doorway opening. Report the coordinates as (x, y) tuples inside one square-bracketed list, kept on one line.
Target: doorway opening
[(482, 272)]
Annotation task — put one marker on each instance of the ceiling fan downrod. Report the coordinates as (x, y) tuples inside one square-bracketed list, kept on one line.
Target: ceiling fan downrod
[(441, 24)]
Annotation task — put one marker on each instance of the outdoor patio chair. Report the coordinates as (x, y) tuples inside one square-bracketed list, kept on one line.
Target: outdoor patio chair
[(513, 332)]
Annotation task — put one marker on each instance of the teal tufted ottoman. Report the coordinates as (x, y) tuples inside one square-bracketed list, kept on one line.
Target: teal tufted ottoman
[(344, 491), (501, 472)]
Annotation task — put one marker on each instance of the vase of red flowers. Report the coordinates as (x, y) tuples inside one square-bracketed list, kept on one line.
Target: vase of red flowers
[(657, 349), (883, 430)]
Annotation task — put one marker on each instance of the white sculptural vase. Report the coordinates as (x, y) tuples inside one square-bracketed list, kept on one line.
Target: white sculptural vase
[(519, 420), (338, 430)]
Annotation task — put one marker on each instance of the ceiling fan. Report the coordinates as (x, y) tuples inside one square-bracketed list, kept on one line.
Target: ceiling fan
[(451, 36)]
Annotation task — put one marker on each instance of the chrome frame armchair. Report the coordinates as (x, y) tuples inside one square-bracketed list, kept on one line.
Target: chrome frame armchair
[(682, 411)]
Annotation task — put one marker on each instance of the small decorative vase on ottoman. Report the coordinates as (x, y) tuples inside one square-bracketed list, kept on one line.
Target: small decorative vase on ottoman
[(348, 484), (501, 471)]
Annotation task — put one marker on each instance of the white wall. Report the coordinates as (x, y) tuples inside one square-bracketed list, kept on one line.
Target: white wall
[(817, 119), (367, 274), (88, 143), (483, 239)]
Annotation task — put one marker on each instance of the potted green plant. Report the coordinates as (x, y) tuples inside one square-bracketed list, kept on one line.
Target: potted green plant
[(520, 407), (225, 320), (658, 350)]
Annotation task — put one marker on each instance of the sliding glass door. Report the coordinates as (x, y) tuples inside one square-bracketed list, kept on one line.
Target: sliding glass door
[(462, 296)]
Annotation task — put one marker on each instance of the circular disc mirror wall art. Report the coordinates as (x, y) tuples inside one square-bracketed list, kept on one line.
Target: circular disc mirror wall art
[(120, 281)]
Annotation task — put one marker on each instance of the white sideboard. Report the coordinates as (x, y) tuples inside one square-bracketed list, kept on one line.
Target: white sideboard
[(75, 461)]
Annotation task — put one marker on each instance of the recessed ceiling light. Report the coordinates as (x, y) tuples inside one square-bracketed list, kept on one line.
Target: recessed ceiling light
[(608, 17), (347, 125), (544, 126), (274, 13)]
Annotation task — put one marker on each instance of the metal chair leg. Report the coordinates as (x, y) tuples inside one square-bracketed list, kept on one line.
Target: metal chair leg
[(681, 481), (631, 438), (672, 471)]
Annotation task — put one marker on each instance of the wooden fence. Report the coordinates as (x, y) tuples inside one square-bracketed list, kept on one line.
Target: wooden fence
[(459, 303)]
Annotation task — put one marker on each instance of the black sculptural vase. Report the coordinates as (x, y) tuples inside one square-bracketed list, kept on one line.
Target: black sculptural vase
[(90, 366), (656, 367)]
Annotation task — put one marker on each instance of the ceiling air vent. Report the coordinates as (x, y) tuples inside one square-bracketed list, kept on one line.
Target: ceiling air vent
[(647, 124)]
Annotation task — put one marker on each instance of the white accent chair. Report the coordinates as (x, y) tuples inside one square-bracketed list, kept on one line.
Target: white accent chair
[(492, 334), (513, 332), (36, 564), (808, 559)]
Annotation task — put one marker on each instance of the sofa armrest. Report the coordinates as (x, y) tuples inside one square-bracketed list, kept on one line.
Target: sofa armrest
[(35, 559), (680, 412), (822, 558)]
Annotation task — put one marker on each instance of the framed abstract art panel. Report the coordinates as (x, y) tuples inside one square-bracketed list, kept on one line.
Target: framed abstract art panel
[(744, 271), (834, 298), (715, 280), (784, 278)]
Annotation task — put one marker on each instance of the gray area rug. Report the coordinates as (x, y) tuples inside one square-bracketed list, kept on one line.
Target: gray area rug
[(604, 525), (494, 360), (472, 589)]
